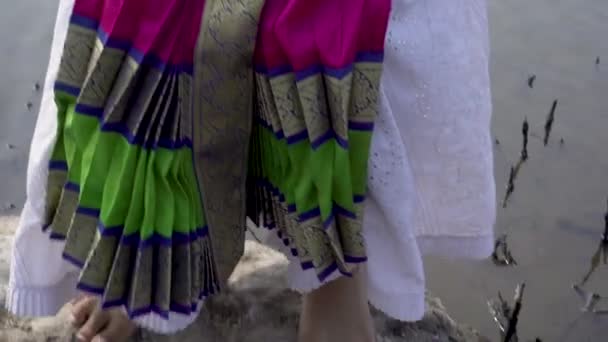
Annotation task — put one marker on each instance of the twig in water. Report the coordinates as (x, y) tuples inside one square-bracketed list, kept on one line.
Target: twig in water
[(590, 300), (600, 253), (510, 186), (524, 131), (502, 255), (505, 316), (549, 122), (522, 159), (595, 262), (514, 318), (500, 311), (7, 206), (605, 235), (531, 80)]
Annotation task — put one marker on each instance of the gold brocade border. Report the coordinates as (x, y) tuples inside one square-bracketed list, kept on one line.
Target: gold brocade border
[(223, 103), (366, 90)]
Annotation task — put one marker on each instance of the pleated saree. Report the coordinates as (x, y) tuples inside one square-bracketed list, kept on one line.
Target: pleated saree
[(178, 119)]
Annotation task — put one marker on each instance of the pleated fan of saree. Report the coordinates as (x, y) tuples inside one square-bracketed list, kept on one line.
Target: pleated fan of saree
[(318, 66), (167, 138)]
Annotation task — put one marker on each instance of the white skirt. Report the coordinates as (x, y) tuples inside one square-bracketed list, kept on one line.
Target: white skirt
[(431, 177)]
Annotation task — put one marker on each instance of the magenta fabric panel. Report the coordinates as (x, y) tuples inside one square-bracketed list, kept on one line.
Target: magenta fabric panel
[(146, 27), (301, 34)]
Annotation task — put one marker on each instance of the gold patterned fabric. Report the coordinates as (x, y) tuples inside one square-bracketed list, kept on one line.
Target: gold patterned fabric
[(225, 89)]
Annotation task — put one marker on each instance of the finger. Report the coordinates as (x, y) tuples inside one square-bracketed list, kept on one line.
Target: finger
[(96, 322), (82, 310), (119, 329)]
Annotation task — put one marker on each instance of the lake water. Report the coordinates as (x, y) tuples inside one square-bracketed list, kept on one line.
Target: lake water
[(555, 216)]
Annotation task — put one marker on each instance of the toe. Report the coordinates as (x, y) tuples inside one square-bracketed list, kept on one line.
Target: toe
[(96, 322), (82, 309)]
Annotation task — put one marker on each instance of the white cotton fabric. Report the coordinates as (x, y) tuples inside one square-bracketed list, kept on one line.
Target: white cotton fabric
[(431, 179)]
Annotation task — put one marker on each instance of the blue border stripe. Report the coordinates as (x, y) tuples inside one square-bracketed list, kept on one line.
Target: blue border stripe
[(361, 57), (92, 212), (303, 135), (315, 212), (354, 260), (89, 110), (73, 260), (359, 198), (56, 236), (305, 216), (84, 21), (135, 239), (74, 91), (122, 129), (71, 186), (325, 137), (328, 221), (61, 165), (315, 144), (360, 126), (306, 265), (371, 56)]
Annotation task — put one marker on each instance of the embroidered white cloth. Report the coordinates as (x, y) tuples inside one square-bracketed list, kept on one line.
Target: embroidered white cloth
[(431, 179)]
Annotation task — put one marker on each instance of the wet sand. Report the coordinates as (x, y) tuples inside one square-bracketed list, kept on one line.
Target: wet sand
[(555, 216)]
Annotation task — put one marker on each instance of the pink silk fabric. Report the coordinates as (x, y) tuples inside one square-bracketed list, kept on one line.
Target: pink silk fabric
[(301, 34), (147, 27)]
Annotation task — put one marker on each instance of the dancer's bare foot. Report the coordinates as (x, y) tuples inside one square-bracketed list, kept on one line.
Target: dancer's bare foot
[(97, 325), (338, 311)]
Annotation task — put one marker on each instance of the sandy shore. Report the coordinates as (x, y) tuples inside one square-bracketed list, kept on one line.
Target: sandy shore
[(257, 308)]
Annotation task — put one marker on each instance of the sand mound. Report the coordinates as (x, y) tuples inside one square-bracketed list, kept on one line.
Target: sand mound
[(257, 307)]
